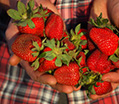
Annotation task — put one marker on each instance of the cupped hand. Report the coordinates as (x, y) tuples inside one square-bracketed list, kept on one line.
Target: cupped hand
[(41, 77), (109, 10), (112, 77)]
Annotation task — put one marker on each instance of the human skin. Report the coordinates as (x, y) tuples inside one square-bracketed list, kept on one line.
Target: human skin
[(12, 32), (109, 9)]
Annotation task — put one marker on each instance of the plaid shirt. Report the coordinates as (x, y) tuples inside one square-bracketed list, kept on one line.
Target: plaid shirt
[(16, 87)]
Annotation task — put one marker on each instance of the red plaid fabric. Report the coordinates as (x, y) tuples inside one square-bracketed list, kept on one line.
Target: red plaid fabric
[(16, 87), (74, 12)]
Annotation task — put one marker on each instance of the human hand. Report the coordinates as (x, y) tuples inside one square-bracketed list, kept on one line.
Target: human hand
[(11, 34), (112, 77), (40, 77), (109, 10)]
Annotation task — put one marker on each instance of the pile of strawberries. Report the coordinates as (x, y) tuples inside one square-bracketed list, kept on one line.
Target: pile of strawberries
[(77, 58)]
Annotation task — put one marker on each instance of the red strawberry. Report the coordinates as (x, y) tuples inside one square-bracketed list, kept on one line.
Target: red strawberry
[(37, 30), (91, 45), (66, 35), (54, 27), (78, 37), (83, 37), (68, 75), (116, 64), (82, 59), (98, 62), (54, 56), (23, 44), (27, 18), (46, 65), (47, 12), (105, 40), (102, 87), (69, 44), (84, 70)]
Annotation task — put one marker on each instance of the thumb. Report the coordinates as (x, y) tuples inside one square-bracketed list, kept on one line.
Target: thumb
[(113, 11), (111, 77), (98, 6), (14, 60)]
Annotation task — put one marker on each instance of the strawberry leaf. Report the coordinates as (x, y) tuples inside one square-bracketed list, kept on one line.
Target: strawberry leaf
[(35, 64), (92, 90), (21, 8), (50, 43), (35, 10), (14, 14), (42, 55), (86, 51), (83, 42), (79, 60), (35, 44), (58, 62), (66, 59), (22, 23), (35, 54), (114, 58), (49, 55), (30, 4), (36, 15), (31, 24), (72, 32), (77, 28)]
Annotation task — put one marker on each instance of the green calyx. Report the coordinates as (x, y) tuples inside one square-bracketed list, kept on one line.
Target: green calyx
[(43, 12), (23, 15), (76, 37), (90, 78), (101, 23), (36, 50), (58, 52)]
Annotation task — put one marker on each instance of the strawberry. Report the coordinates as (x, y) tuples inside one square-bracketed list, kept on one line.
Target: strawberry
[(94, 85), (69, 44), (105, 40), (68, 75), (91, 45), (102, 88), (46, 65), (54, 27), (47, 12), (52, 56), (23, 46), (98, 62), (83, 38), (66, 34), (38, 30), (82, 59), (78, 37), (116, 64), (27, 18)]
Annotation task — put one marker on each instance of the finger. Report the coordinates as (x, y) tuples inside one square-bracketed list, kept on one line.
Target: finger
[(94, 97), (14, 60), (63, 88), (76, 89), (111, 77), (99, 6), (113, 11), (47, 79), (41, 77)]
